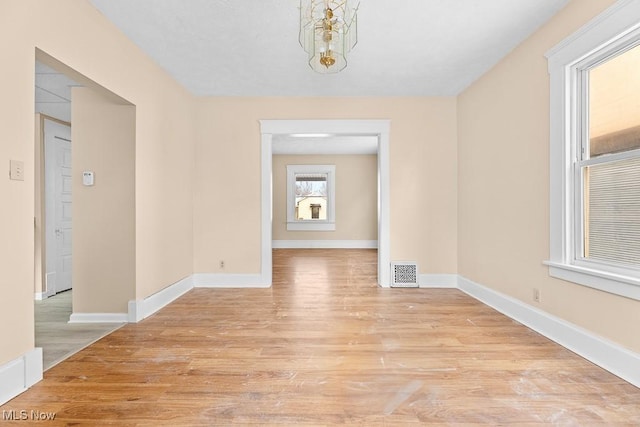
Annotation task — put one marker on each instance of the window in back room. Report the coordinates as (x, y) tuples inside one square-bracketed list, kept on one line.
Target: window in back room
[(311, 197)]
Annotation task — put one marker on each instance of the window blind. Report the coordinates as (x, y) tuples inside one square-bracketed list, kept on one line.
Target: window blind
[(311, 177), (613, 212)]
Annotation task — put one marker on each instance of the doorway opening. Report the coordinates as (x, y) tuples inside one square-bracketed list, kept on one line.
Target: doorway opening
[(84, 229), (275, 130), (58, 202), (53, 200)]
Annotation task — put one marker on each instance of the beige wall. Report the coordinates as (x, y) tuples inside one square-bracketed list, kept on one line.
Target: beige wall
[(103, 136), (356, 197), (503, 131), (423, 176), (78, 35)]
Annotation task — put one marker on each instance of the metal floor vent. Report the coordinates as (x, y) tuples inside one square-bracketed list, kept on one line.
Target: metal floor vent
[(404, 275)]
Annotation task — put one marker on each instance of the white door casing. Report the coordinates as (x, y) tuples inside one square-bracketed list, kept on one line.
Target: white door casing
[(379, 128), (58, 203)]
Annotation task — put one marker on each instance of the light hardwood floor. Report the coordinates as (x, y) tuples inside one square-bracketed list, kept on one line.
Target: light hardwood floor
[(325, 345), (58, 338)]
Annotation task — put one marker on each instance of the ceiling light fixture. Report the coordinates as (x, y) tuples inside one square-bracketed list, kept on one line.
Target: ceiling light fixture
[(328, 31)]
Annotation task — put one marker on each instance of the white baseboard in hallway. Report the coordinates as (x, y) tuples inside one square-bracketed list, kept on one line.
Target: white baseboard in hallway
[(438, 280), (141, 309), (39, 296), (213, 280)]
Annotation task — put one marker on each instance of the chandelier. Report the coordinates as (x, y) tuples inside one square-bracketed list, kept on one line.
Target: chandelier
[(328, 31)]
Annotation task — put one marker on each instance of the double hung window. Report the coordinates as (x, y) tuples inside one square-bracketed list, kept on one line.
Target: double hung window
[(607, 166), (595, 154), (311, 197)]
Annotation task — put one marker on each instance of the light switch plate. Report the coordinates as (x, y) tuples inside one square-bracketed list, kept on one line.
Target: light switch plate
[(16, 170)]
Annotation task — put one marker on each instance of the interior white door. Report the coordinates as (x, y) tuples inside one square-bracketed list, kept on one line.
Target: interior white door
[(58, 202)]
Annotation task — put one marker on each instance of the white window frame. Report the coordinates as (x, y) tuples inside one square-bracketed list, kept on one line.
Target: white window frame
[(294, 224), (609, 33)]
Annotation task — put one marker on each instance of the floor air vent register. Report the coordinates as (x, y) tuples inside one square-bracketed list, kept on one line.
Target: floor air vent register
[(404, 275)]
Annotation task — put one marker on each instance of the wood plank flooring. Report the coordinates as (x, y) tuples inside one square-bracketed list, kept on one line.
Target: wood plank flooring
[(324, 346)]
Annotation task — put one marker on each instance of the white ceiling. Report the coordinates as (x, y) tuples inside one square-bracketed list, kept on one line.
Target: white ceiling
[(250, 47)]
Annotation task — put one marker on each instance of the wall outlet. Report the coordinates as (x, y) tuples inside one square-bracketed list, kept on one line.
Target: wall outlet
[(221, 264), (536, 295)]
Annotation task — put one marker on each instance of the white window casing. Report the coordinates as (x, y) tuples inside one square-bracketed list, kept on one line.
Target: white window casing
[(613, 31), (293, 223)]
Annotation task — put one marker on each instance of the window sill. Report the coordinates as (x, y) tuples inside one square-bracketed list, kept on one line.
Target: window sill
[(311, 226), (617, 284)]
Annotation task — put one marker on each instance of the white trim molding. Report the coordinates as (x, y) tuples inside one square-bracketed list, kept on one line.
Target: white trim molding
[(606, 354), (324, 244), (597, 279), (19, 374), (141, 309), (378, 128), (98, 318), (605, 26), (213, 280), (39, 296), (438, 281)]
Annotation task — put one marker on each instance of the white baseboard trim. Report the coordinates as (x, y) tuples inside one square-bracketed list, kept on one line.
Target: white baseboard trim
[(438, 280), (19, 374), (141, 309), (214, 280), (610, 356), (98, 318), (324, 244), (39, 296)]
